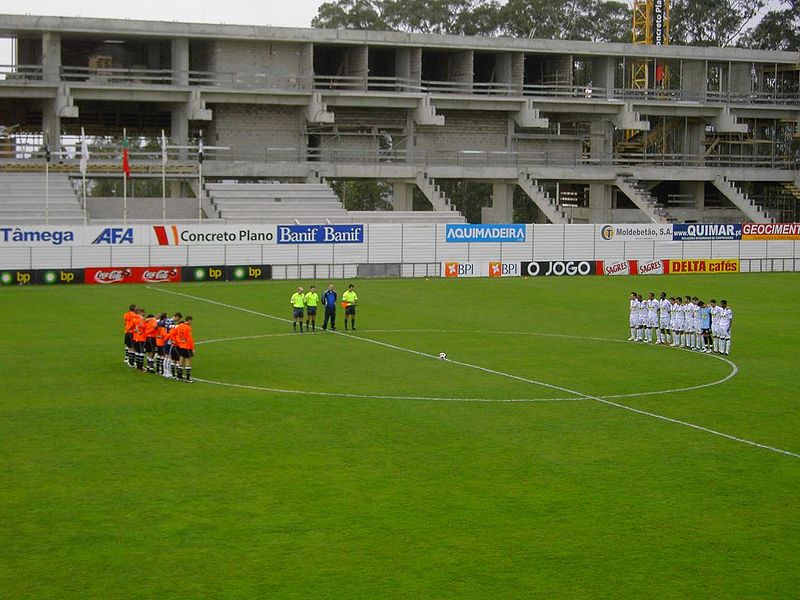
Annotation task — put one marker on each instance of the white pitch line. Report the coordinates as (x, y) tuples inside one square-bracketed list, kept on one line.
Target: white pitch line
[(382, 397), (511, 376)]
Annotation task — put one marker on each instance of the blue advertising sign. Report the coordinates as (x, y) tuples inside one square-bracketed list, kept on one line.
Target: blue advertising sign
[(701, 232), (485, 233), (320, 234)]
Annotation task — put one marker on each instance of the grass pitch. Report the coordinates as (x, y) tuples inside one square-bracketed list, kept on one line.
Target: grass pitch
[(115, 484)]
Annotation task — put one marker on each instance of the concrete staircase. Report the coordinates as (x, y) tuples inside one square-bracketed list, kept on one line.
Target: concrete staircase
[(549, 206), (742, 201), (302, 203), (434, 193), (22, 200), (642, 199)]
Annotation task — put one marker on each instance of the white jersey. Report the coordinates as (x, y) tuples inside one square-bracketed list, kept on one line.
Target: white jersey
[(691, 314), (634, 318), (642, 312), (725, 320), (666, 309)]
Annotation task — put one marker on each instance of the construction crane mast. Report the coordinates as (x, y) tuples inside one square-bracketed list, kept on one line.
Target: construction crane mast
[(650, 26)]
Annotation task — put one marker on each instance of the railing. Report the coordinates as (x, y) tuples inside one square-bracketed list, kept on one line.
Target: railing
[(276, 80)]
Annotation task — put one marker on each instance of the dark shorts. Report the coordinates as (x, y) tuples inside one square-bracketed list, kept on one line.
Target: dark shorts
[(311, 310), (297, 313), (129, 340), (159, 350), (173, 353), (150, 345), (350, 310), (184, 353), (138, 346)]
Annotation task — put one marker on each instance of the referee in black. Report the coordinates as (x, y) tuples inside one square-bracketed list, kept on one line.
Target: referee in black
[(329, 302)]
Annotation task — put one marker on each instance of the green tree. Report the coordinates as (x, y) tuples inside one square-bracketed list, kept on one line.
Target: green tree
[(778, 30), (363, 194), (711, 22), (350, 14)]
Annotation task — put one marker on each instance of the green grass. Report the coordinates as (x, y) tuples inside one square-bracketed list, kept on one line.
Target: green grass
[(115, 484)]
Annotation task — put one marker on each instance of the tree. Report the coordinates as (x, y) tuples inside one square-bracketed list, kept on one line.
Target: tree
[(778, 30), (350, 14), (362, 194), (711, 22)]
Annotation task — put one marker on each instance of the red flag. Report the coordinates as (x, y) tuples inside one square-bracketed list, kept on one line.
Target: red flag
[(126, 165)]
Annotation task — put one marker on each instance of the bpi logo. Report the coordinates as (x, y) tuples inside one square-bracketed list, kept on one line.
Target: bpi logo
[(500, 269), (115, 235), (455, 269), (607, 232)]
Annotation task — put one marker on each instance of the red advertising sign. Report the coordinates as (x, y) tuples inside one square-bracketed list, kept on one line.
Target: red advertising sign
[(654, 267), (109, 275), (617, 267)]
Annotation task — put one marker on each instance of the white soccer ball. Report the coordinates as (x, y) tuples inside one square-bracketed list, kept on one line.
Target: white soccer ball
[(442, 356)]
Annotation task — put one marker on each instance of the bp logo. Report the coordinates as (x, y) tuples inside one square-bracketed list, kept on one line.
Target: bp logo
[(239, 273), (199, 274), (607, 232), (50, 277), (6, 278)]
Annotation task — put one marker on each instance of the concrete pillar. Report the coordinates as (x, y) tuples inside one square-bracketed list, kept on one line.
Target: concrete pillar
[(51, 126), (415, 66), (604, 76), (403, 195), (694, 140), (694, 83), (154, 55), (306, 64), (502, 209), (180, 62), (460, 68), (502, 68), (696, 189), (518, 71), (175, 189), (741, 78), (356, 64), (601, 141), (600, 202), (179, 130), (51, 56)]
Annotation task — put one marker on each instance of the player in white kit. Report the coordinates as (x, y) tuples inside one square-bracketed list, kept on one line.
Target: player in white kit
[(664, 306), (651, 325), (725, 321), (642, 318), (677, 322), (688, 322), (634, 316), (698, 327), (716, 312)]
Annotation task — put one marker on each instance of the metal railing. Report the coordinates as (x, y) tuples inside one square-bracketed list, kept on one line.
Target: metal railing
[(285, 81)]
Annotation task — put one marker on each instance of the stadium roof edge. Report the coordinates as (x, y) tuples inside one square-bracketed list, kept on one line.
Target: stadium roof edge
[(14, 25)]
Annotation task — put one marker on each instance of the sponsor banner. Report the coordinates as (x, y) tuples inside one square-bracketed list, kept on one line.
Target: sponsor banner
[(59, 276), (771, 231), (617, 267), (115, 236), (248, 272), (703, 265), (653, 267), (558, 268), (216, 273), (41, 236), (211, 235), (17, 277), (320, 234), (112, 275), (634, 233), (484, 233), (503, 269), (659, 27), (696, 232), (460, 269)]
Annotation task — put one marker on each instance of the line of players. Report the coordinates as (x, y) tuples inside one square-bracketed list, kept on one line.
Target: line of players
[(160, 345), (681, 322)]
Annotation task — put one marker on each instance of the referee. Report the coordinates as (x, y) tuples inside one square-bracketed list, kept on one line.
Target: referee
[(329, 302)]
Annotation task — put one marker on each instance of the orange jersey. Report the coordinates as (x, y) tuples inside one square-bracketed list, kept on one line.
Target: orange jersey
[(150, 326), (128, 319), (138, 329), (161, 335), (172, 335), (184, 337)]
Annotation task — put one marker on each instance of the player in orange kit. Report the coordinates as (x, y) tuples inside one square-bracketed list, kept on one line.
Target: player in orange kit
[(185, 349), (127, 318), (139, 338)]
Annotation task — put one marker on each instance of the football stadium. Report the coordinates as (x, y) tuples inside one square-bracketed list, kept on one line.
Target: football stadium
[(376, 312)]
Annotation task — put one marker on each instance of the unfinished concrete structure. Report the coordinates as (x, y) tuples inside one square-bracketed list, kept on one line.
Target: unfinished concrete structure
[(559, 121)]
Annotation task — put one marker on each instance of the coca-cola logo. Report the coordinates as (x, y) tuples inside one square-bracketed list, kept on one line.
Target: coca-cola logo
[(112, 275), (154, 276)]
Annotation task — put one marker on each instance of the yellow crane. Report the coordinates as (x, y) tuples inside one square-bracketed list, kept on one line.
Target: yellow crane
[(650, 26)]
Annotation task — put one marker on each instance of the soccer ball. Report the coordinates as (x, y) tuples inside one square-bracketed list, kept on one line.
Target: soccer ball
[(442, 356)]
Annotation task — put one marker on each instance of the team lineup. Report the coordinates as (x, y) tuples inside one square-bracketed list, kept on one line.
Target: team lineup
[(305, 304), (681, 322), (159, 345)]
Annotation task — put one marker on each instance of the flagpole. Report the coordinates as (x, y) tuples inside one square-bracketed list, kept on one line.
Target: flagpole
[(163, 178), (47, 181), (84, 161), (200, 179), (124, 182)]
